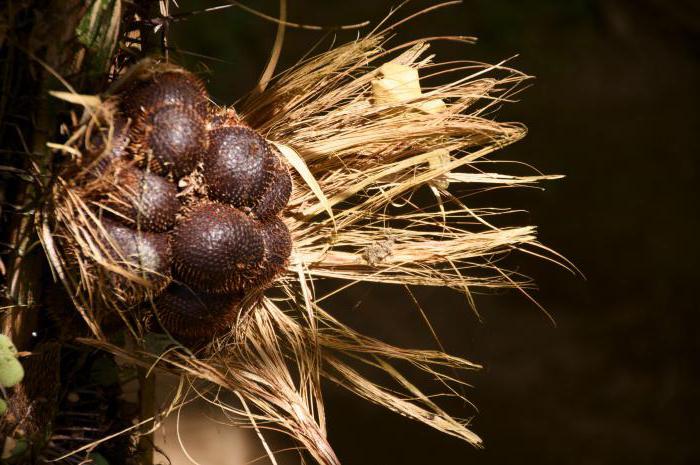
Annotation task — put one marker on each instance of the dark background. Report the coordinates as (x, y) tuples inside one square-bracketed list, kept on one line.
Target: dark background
[(614, 107)]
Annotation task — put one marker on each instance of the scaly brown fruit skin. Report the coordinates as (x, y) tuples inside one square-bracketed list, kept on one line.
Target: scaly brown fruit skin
[(229, 239), (169, 139), (106, 144), (179, 88), (217, 248), (277, 194), (194, 315), (238, 166), (148, 252), (278, 247), (144, 200)]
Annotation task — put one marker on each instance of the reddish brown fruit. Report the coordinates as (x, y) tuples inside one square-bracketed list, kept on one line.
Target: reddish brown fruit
[(277, 194), (238, 166), (192, 315), (144, 200), (147, 253), (106, 143), (278, 247), (217, 248), (178, 88), (169, 139)]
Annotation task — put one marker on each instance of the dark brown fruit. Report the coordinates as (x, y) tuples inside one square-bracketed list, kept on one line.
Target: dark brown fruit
[(170, 139), (193, 315), (276, 196), (147, 254), (178, 88), (238, 166), (106, 143), (217, 248), (145, 200), (278, 247)]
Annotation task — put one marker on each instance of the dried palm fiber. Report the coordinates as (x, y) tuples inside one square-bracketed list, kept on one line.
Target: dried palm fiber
[(107, 220), (359, 152)]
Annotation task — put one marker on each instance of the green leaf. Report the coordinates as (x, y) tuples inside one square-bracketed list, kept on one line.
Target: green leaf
[(98, 31), (11, 371)]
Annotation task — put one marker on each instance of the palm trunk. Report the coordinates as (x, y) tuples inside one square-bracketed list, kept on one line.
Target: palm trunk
[(44, 45)]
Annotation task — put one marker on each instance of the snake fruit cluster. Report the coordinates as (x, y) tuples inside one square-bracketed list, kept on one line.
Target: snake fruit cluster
[(206, 251)]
